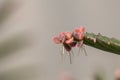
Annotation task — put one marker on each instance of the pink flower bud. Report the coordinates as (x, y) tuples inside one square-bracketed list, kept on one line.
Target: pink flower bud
[(79, 33), (56, 40)]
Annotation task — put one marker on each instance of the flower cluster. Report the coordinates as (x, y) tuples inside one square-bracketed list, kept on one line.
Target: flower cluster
[(70, 39)]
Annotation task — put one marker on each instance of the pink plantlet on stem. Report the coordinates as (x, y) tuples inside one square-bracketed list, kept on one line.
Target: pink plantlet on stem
[(60, 38), (79, 33), (79, 36), (71, 39)]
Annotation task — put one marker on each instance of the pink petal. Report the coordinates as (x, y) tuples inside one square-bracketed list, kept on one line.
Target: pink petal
[(82, 29), (76, 35), (62, 37), (81, 36), (68, 35), (56, 40), (77, 30), (69, 41)]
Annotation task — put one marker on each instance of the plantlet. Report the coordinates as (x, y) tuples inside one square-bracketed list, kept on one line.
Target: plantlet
[(78, 38)]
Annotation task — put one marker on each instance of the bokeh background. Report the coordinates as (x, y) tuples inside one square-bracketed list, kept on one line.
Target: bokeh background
[(26, 30)]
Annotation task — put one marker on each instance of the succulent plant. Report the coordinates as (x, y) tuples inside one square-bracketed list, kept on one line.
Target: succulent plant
[(102, 42)]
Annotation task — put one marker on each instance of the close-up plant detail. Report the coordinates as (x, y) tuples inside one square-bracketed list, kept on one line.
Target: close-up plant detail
[(78, 38), (30, 30), (70, 40)]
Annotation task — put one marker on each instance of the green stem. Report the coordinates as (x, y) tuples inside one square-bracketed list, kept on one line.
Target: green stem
[(102, 42)]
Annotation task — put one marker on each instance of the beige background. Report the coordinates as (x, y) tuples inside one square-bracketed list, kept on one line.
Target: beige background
[(40, 20)]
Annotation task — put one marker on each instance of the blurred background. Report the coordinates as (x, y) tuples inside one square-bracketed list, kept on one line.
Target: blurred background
[(26, 30)]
